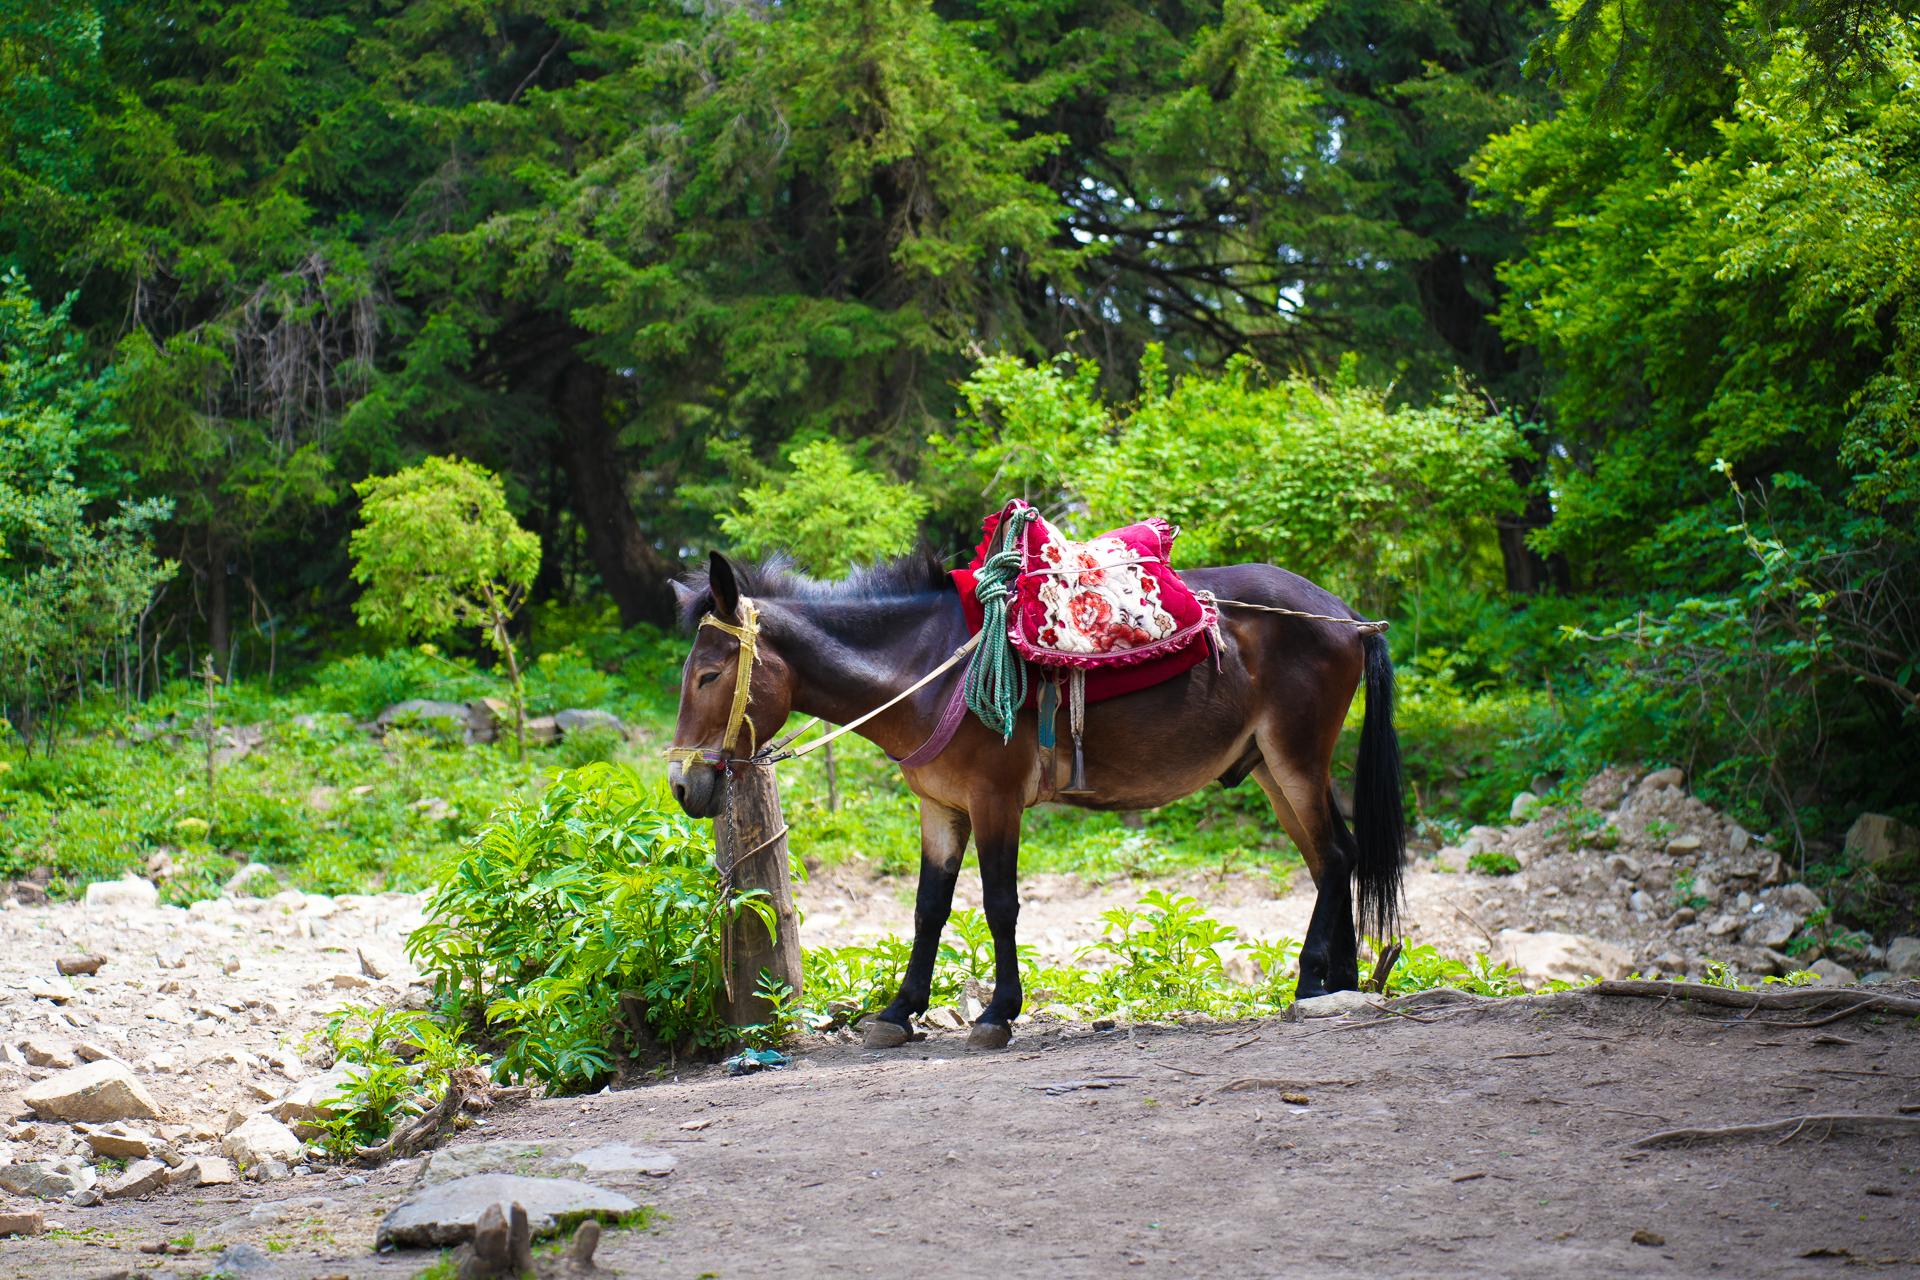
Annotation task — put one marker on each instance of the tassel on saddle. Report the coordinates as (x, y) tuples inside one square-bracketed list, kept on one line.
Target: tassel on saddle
[(1077, 723)]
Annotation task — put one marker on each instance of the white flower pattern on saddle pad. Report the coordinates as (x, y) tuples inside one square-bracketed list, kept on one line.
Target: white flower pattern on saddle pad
[(1111, 603)]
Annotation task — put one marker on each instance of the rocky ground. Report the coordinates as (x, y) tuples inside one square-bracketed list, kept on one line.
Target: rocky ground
[(159, 1087)]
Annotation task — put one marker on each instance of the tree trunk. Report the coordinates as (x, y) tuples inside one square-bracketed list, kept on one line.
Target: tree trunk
[(753, 841), (1457, 313), (632, 571), (1529, 572)]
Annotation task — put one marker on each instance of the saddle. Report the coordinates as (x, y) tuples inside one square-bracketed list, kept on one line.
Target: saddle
[(1107, 616), (1102, 605)]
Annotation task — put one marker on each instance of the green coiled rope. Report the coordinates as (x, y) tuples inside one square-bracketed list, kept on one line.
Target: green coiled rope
[(996, 676)]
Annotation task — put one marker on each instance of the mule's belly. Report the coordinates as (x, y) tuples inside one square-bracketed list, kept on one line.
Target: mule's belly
[(1145, 750)]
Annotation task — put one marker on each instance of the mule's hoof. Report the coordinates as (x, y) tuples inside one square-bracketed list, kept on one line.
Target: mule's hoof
[(878, 1033), (989, 1035)]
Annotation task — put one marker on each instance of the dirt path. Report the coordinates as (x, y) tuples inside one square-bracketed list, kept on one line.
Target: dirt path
[(1491, 1141)]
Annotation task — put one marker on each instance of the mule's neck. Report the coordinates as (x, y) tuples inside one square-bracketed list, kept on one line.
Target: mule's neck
[(848, 657)]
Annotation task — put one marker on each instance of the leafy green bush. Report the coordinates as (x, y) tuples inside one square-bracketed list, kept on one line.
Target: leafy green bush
[(590, 745), (1351, 491), (563, 678), (571, 910), (364, 685)]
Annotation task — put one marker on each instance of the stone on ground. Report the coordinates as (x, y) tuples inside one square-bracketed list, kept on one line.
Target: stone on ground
[(260, 1139), (1332, 1005), (96, 1093), (46, 1179), (470, 1158), (1771, 928), (1564, 957), (446, 1214), (573, 720), (44, 1051), (1880, 841), (1832, 974), (1903, 957), (22, 1222), (202, 1171), (238, 1261), (122, 1141), (142, 1177), (120, 895), (618, 1159), (1662, 778)]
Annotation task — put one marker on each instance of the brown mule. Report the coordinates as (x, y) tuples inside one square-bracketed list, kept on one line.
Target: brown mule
[(1271, 709)]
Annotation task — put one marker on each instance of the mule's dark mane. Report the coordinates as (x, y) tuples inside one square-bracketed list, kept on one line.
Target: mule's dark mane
[(775, 578)]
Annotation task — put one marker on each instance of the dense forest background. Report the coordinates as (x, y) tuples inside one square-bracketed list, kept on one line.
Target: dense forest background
[(1582, 339)]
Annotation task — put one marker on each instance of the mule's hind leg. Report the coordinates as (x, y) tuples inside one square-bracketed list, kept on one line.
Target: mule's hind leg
[(997, 839), (943, 843), (1329, 956)]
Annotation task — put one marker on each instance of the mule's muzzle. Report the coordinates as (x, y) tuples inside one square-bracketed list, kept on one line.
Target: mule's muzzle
[(696, 787)]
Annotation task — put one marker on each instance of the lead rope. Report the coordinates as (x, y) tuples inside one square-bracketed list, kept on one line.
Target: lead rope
[(1358, 624), (996, 677)]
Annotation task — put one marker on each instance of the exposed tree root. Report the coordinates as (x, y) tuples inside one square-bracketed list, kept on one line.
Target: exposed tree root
[(1792, 1126), (1852, 1001)]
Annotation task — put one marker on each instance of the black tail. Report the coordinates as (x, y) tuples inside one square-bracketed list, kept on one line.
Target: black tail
[(1379, 821)]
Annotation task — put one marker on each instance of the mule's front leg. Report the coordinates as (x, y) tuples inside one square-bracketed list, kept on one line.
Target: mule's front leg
[(943, 842), (998, 841)]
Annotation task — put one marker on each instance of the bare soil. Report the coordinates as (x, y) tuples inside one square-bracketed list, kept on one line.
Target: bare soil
[(1493, 1139)]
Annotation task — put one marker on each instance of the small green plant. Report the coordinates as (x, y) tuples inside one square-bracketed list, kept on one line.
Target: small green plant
[(1276, 960), (1161, 950), (1421, 967), (445, 1267), (860, 978), (398, 1065), (966, 946), (1493, 862), (575, 910), (1720, 975), (1659, 830), (1798, 978), (787, 1017), (1684, 894)]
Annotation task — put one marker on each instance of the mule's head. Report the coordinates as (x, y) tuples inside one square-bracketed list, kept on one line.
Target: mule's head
[(708, 683)]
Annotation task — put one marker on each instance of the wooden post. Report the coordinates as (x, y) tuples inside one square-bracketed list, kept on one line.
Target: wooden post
[(754, 843)]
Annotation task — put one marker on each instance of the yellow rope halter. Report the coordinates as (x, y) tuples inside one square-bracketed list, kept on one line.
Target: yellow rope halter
[(748, 634)]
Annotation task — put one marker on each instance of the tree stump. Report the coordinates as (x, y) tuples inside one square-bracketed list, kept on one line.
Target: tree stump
[(753, 841)]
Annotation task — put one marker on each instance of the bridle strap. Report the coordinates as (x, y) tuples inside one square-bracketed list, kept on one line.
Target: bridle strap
[(748, 634)]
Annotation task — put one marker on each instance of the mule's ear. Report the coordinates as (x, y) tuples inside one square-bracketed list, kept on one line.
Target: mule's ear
[(682, 594), (726, 592)]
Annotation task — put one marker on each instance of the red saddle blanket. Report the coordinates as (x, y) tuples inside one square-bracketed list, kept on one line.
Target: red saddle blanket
[(1111, 605)]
